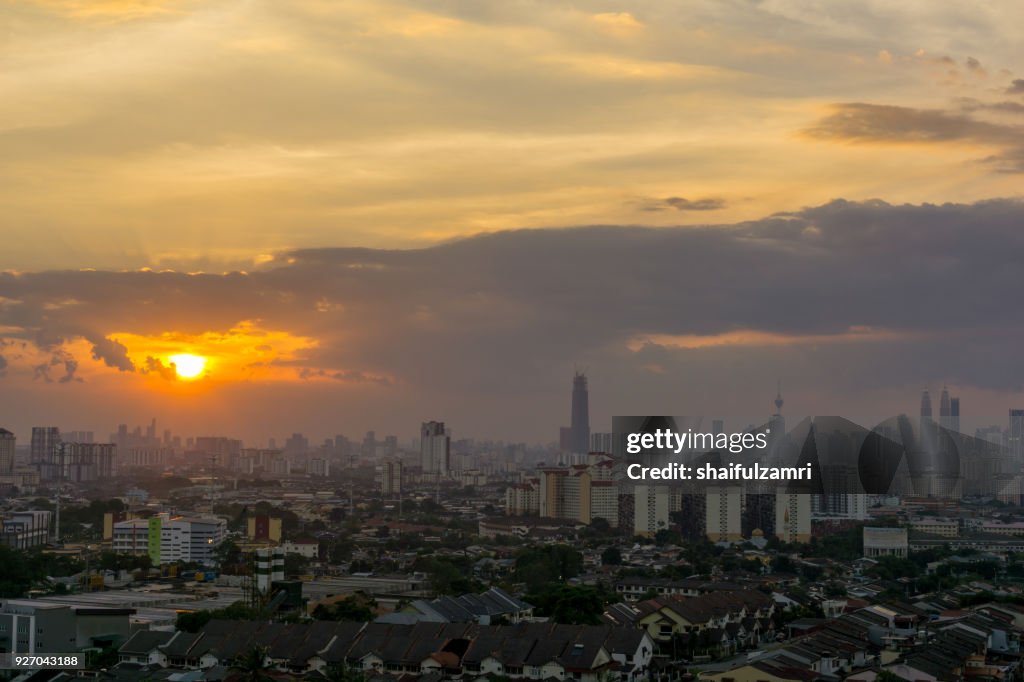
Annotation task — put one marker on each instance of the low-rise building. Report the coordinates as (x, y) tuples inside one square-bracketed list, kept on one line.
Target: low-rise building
[(885, 542), (26, 529)]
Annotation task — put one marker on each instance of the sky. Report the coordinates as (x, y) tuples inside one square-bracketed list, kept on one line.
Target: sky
[(366, 214)]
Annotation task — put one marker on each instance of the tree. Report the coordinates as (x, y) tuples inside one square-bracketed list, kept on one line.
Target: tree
[(448, 578), (835, 589), (355, 608), (888, 676), (572, 605), (295, 564), (21, 570), (227, 553), (552, 564), (194, 621), (252, 665), (666, 536), (611, 556)]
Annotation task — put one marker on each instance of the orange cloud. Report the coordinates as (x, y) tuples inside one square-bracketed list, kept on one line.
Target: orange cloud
[(110, 9), (243, 353), (756, 338)]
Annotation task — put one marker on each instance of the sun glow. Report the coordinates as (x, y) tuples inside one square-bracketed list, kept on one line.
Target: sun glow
[(188, 366)]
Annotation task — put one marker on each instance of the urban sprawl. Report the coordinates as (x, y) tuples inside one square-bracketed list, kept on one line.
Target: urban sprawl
[(162, 557)]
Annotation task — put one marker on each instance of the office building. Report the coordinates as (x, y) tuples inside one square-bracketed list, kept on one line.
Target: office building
[(45, 440), (777, 423), (296, 444), (318, 466), (391, 478), (435, 449), (885, 542), (1015, 436), (169, 539), (26, 529), (949, 411), (7, 450), (29, 626), (576, 437)]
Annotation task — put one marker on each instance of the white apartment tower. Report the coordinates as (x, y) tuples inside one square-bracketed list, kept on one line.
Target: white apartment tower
[(435, 449)]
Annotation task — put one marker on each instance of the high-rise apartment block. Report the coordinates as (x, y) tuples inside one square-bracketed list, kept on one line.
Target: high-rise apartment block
[(391, 478), (724, 513), (435, 449), (7, 450), (45, 440)]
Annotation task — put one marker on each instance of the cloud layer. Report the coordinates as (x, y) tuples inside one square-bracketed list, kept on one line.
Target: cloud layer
[(207, 135), (844, 301)]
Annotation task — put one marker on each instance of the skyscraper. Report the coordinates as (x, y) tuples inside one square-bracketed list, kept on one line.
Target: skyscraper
[(579, 430), (435, 448), (1015, 440), (7, 443), (944, 408), (778, 422), (926, 405), (949, 411), (45, 440), (391, 478)]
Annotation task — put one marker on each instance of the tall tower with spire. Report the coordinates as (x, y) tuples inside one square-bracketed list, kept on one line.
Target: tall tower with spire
[(926, 405), (944, 408), (579, 429), (778, 422)]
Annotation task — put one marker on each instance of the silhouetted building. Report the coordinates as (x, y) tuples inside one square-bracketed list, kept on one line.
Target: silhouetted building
[(778, 423), (949, 411), (7, 448), (577, 438), (1016, 435), (45, 440)]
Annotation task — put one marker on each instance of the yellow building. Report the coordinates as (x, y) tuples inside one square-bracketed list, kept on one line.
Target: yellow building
[(263, 527)]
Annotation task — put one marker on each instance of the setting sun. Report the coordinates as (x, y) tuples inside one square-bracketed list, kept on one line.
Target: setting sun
[(188, 366)]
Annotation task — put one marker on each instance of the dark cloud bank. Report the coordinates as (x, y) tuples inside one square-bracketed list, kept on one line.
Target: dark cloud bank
[(475, 324)]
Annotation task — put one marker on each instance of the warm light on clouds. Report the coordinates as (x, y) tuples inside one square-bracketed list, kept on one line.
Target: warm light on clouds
[(201, 135), (188, 366), (246, 352), (287, 191), (111, 9), (619, 24), (754, 338)]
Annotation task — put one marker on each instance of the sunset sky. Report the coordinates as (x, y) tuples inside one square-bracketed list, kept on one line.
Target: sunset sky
[(325, 202)]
